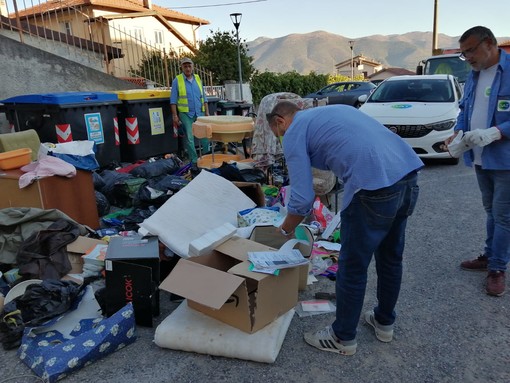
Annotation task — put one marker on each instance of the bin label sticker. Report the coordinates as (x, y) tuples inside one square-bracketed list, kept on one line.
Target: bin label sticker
[(132, 132), (157, 121), (94, 127), (64, 133), (116, 130)]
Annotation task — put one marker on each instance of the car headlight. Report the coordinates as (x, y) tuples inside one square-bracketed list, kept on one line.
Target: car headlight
[(442, 125)]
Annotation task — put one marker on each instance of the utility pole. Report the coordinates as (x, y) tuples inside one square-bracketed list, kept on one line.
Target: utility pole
[(434, 31), (351, 44)]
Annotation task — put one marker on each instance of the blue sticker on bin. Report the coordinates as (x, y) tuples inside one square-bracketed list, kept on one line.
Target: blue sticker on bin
[(94, 127)]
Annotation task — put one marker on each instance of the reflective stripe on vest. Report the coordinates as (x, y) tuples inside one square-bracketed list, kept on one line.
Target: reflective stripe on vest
[(182, 100)]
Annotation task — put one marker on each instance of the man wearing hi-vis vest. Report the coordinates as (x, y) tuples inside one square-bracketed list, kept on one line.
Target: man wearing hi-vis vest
[(188, 101)]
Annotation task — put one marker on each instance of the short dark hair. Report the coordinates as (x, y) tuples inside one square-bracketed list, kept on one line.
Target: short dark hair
[(284, 108), (281, 109), (482, 33)]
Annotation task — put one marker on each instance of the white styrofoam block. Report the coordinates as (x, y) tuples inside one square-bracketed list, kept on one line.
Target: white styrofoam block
[(211, 239)]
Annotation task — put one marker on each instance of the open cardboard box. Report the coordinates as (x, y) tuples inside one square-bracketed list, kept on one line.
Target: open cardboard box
[(79, 247), (252, 190), (220, 285), (269, 236)]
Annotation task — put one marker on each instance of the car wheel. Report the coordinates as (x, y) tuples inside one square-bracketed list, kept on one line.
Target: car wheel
[(357, 105)]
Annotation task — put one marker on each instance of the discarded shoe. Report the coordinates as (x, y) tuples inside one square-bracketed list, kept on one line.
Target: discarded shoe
[(326, 340), (382, 332)]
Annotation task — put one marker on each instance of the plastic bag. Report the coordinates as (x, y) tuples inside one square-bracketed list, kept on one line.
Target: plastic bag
[(259, 215), (156, 168), (321, 214), (80, 154), (39, 303)]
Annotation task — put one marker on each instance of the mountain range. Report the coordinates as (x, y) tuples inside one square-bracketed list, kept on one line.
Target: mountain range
[(319, 51)]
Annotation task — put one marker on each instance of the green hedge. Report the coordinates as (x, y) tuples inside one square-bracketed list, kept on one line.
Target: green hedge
[(266, 83)]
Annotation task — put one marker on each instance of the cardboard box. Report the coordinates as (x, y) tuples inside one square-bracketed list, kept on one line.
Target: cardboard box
[(79, 247), (252, 190), (269, 236), (132, 275), (220, 285)]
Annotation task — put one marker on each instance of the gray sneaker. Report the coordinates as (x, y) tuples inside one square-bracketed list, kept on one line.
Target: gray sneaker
[(383, 333), (326, 340)]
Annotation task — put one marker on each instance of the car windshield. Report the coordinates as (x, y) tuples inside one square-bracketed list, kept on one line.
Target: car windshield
[(413, 90), (448, 65)]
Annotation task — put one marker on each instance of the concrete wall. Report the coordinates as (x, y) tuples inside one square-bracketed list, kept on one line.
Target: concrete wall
[(26, 70)]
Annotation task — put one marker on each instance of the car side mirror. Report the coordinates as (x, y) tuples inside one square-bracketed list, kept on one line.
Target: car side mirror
[(362, 98)]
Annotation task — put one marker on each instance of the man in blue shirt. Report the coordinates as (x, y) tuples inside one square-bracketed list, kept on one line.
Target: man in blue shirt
[(187, 102), (379, 173), (485, 120)]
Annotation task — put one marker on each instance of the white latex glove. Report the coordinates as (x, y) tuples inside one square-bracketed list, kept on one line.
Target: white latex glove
[(459, 145), (483, 137)]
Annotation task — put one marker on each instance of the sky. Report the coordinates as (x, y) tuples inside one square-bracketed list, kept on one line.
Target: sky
[(352, 19)]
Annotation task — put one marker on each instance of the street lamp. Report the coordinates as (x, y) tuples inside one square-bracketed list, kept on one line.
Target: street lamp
[(236, 19), (351, 44)]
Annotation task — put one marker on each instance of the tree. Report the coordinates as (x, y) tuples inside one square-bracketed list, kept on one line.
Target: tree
[(218, 53), (151, 67)]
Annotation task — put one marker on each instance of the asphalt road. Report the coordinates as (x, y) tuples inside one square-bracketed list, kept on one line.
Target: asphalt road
[(447, 330)]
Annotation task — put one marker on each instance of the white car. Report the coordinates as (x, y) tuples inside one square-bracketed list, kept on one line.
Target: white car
[(421, 109)]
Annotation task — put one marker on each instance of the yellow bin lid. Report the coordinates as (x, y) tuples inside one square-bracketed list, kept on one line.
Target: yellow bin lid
[(142, 94)]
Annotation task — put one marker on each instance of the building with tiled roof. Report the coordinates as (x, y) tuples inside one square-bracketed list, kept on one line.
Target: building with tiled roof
[(361, 65), (131, 27), (385, 73), (181, 27)]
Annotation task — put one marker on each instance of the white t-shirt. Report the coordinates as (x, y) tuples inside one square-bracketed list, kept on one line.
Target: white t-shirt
[(481, 105)]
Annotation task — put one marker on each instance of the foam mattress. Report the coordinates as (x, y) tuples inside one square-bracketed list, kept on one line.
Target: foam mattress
[(186, 329)]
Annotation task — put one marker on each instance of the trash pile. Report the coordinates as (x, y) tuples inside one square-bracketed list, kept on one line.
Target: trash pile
[(73, 292)]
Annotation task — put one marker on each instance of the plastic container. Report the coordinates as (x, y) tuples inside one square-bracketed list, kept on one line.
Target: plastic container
[(14, 159), (145, 124), (69, 116)]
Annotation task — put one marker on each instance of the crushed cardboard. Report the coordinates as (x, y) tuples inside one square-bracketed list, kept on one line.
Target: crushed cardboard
[(77, 248)]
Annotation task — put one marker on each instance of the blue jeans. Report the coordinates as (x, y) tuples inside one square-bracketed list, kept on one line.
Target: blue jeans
[(189, 139), (373, 223), (495, 188)]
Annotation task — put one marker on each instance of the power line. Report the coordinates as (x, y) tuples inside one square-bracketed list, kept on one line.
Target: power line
[(219, 5)]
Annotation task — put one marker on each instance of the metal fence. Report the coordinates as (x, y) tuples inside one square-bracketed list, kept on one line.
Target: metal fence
[(73, 33)]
